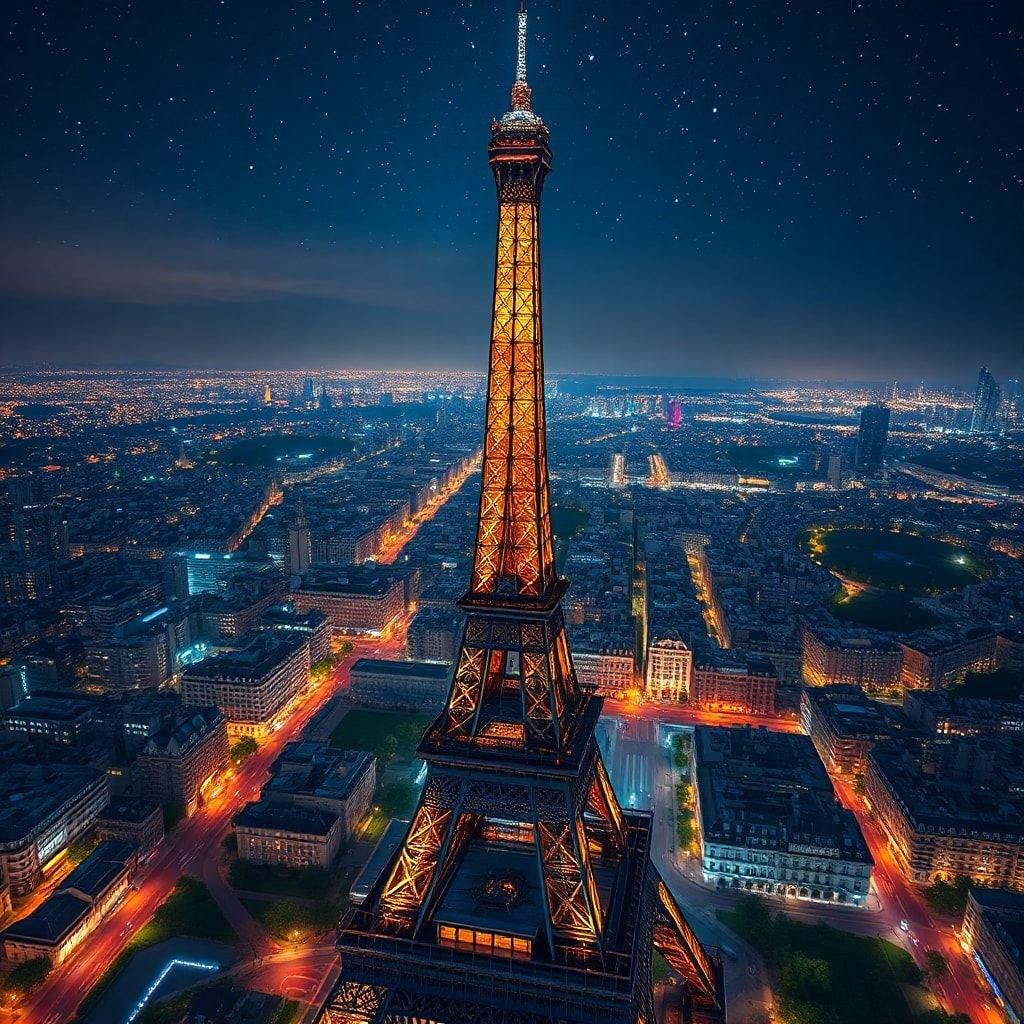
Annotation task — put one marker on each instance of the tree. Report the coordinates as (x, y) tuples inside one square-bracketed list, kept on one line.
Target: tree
[(948, 897), (25, 977), (408, 737), (754, 921), (386, 750), (243, 749), (77, 852), (937, 965)]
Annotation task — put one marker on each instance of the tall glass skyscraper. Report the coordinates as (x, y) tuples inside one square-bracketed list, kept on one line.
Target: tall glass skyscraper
[(871, 439), (987, 397)]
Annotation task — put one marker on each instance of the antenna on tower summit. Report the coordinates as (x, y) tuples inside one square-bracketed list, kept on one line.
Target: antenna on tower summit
[(520, 90), (521, 53)]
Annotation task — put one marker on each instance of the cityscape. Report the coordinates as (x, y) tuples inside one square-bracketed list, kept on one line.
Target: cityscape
[(333, 693)]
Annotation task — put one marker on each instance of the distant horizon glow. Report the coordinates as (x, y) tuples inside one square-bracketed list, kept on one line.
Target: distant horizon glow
[(750, 192)]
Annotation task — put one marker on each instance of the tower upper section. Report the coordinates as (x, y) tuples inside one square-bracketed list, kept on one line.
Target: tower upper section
[(513, 561), (519, 153)]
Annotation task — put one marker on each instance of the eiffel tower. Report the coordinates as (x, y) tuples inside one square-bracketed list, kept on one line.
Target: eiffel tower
[(522, 892)]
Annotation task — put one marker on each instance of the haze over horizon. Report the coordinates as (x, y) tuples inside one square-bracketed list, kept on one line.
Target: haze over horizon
[(737, 192)]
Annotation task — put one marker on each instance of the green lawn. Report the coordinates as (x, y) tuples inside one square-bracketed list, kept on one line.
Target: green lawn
[(190, 910), (886, 610), (296, 922), (174, 1009), (304, 883), (821, 974), (392, 800), (386, 733), (660, 970), (915, 563)]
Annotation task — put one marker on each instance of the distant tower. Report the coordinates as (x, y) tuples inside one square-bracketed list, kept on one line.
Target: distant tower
[(1013, 400), (987, 397), (300, 552), (182, 461), (521, 893), (835, 471), (675, 414), (872, 438), (894, 394), (268, 398), (309, 391)]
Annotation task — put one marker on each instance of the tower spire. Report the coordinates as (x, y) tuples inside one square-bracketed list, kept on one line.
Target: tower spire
[(520, 90), (521, 56)]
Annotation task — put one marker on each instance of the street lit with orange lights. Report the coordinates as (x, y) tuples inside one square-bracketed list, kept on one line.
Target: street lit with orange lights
[(894, 901), (960, 990), (191, 849), (393, 544)]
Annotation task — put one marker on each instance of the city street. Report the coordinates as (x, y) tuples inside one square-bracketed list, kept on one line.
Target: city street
[(641, 771), (192, 849), (961, 990)]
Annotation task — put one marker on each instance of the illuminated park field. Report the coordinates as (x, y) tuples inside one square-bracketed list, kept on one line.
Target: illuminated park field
[(895, 561), (269, 450), (882, 571)]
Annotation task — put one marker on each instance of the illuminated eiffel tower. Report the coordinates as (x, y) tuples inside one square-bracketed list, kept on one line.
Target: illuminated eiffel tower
[(522, 892)]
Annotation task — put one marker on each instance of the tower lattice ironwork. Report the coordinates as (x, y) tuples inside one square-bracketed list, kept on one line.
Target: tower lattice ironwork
[(521, 891)]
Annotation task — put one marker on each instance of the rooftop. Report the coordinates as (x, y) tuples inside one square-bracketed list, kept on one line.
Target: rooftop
[(251, 663), (186, 733), (35, 793), (126, 810), (96, 873), (770, 789), (850, 714), (411, 669), (970, 787), (285, 818), (316, 769)]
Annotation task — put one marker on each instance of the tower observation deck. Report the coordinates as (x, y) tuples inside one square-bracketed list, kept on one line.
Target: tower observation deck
[(522, 892)]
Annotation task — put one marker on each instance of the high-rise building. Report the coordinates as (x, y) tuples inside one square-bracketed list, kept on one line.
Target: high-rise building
[(835, 471), (521, 891), (268, 398), (987, 397), (872, 437), (1013, 396), (299, 553), (675, 414)]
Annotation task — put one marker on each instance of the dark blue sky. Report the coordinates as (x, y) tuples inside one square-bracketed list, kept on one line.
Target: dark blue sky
[(746, 188)]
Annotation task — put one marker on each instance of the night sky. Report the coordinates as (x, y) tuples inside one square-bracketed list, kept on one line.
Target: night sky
[(754, 188)]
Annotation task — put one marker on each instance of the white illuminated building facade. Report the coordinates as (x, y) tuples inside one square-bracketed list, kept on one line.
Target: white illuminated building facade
[(669, 670)]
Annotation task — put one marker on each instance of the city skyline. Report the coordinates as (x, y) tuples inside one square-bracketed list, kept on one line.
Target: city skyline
[(754, 193), (685, 689)]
